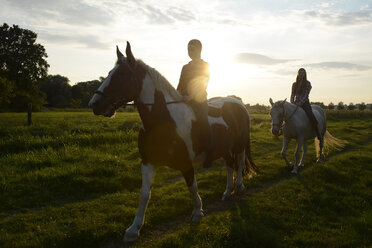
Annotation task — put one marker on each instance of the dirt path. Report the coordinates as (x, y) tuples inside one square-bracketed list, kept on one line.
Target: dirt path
[(215, 207)]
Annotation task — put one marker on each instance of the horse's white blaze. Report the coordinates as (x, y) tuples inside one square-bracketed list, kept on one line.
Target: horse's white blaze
[(96, 97)]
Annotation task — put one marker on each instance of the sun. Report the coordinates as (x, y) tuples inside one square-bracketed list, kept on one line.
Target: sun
[(226, 76)]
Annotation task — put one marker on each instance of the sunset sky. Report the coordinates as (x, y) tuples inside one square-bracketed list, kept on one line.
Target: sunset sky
[(254, 48)]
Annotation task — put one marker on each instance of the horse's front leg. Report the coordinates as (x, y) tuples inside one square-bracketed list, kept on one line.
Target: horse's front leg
[(190, 179), (302, 163), (284, 151), (148, 173), (300, 142)]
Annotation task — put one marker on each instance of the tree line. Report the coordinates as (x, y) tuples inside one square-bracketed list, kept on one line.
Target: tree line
[(24, 78), (24, 75)]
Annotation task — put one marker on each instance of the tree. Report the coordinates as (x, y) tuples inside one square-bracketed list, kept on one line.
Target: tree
[(57, 90), (22, 61), (320, 104), (351, 106), (331, 105), (6, 92), (82, 92), (257, 108), (362, 106), (340, 105)]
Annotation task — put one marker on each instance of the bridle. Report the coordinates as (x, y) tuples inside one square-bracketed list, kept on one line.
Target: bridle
[(123, 101), (282, 123)]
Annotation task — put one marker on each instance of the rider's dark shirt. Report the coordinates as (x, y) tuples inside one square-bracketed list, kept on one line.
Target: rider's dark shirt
[(300, 98), (194, 80)]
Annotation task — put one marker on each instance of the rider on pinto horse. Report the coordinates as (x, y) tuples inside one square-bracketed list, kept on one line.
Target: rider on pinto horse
[(193, 87)]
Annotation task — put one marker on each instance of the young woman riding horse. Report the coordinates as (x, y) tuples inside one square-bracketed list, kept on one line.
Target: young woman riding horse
[(300, 96)]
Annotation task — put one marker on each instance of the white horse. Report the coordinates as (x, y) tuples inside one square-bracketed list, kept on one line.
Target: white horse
[(170, 134), (291, 121)]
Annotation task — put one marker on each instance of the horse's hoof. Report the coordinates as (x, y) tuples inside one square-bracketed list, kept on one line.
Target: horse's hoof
[(320, 159), (294, 172), (301, 165), (197, 215), (240, 189), (130, 236), (226, 197)]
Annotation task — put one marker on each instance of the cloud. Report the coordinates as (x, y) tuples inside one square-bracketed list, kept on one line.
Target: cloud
[(78, 12), (258, 59), (88, 41), (363, 16), (286, 72), (338, 65), (166, 16), (180, 14)]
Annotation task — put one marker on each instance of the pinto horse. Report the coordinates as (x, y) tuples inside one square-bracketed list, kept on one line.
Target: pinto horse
[(170, 132), (291, 121)]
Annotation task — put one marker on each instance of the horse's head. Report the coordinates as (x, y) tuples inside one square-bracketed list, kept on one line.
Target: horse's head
[(123, 84), (277, 116)]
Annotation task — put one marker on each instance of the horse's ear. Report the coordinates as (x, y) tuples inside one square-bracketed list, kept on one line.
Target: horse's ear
[(284, 101), (118, 53), (271, 101), (130, 57)]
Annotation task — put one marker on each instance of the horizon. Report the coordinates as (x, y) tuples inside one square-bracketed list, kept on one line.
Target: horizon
[(254, 48)]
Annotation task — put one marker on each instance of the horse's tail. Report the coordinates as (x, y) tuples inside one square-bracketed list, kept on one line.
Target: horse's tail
[(330, 142), (250, 167)]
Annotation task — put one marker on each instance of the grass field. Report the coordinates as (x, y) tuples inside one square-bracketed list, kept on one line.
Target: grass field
[(73, 180)]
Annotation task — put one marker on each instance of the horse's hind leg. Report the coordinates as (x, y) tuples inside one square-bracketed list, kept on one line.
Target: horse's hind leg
[(230, 180), (190, 179), (321, 146), (302, 163), (148, 173), (239, 177)]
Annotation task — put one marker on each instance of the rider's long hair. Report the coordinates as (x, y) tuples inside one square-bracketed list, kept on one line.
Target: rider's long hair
[(300, 90)]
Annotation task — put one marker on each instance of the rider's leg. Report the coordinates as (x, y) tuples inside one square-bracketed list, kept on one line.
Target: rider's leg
[(314, 123), (201, 113)]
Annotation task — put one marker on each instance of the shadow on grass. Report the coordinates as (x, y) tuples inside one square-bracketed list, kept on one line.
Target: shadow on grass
[(65, 189)]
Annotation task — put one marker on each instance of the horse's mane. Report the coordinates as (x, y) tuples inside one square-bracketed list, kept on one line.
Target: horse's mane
[(160, 82)]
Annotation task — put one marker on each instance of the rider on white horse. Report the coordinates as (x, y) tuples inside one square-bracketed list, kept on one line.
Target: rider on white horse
[(300, 96), (193, 87)]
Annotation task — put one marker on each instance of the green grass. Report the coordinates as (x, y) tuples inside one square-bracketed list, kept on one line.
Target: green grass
[(324, 206), (73, 180)]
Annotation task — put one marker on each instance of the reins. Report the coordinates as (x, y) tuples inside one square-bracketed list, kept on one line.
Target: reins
[(122, 101)]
